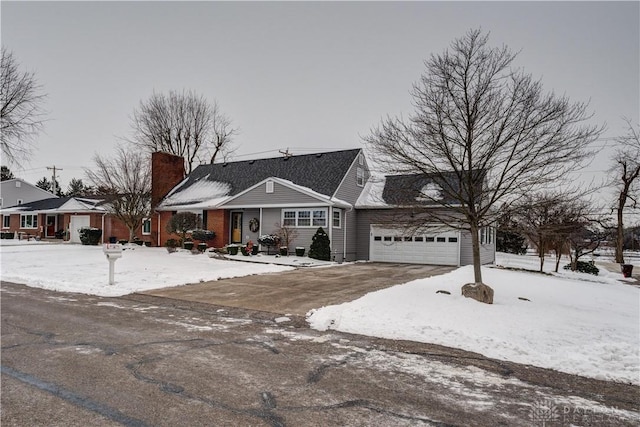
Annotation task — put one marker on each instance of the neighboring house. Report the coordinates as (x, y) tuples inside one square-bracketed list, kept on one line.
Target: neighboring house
[(17, 192), (365, 219), (62, 217)]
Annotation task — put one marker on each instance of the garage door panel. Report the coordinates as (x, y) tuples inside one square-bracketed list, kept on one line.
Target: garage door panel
[(428, 246), (76, 222)]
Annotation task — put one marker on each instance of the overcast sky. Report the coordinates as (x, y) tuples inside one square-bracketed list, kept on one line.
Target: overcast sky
[(303, 76)]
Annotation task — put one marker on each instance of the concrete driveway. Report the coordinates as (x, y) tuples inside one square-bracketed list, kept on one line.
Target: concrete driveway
[(298, 291)]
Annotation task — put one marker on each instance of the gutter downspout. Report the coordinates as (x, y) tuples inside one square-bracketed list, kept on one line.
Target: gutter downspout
[(260, 230), (344, 236), (330, 227), (158, 240), (103, 230)]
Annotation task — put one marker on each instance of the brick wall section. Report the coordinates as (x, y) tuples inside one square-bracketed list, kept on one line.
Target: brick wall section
[(218, 221), (167, 171)]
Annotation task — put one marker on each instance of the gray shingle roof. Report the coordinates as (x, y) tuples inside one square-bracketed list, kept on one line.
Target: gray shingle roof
[(41, 205), (321, 172), (412, 189)]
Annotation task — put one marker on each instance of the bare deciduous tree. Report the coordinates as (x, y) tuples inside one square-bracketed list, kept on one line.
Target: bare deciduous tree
[(565, 222), (184, 124), (21, 113), (490, 125), (126, 178), (625, 171)]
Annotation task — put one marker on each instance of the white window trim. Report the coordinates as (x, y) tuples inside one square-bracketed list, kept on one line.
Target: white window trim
[(360, 177), (486, 235), (310, 217), (33, 227), (339, 212), (4, 218), (145, 220)]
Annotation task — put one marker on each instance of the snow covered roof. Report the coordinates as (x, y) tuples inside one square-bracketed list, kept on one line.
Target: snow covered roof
[(209, 186), (201, 194), (58, 205), (410, 190)]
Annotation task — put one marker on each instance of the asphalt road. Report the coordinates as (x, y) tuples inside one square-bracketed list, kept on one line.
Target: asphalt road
[(141, 360)]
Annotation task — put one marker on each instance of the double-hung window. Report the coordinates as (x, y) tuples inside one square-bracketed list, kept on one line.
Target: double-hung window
[(146, 226), (29, 221), (486, 235), (320, 218), (304, 218), (6, 221), (337, 216)]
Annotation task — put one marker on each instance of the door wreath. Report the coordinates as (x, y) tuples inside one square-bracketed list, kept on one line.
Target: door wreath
[(254, 225)]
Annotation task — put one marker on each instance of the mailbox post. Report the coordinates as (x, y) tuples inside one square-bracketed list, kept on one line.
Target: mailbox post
[(113, 251)]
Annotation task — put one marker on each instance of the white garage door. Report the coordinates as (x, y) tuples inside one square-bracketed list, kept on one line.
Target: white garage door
[(427, 246), (77, 222)]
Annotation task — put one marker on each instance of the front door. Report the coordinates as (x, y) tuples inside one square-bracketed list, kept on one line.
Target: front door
[(50, 231), (236, 227)]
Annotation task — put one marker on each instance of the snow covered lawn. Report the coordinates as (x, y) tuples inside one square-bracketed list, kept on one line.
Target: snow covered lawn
[(575, 323), (84, 269)]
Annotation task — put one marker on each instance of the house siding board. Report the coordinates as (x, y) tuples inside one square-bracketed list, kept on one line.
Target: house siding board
[(487, 252), (349, 190), (282, 195), (350, 222), (26, 192)]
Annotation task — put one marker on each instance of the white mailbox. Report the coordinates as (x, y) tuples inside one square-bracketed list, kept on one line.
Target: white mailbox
[(113, 251)]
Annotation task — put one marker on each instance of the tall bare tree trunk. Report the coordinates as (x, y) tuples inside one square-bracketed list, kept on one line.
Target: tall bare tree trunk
[(620, 230), (475, 247)]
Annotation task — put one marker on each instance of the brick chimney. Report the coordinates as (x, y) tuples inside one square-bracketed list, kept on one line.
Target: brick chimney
[(167, 170)]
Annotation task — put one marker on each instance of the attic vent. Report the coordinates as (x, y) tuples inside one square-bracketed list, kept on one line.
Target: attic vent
[(18, 183), (269, 188), (251, 162), (319, 155), (224, 165)]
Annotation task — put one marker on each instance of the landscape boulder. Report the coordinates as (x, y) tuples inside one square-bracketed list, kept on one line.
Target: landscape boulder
[(479, 292)]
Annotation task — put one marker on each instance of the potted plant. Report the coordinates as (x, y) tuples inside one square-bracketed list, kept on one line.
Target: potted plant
[(188, 244), (202, 246), (171, 245), (269, 240), (232, 249), (247, 249), (284, 251), (300, 250)]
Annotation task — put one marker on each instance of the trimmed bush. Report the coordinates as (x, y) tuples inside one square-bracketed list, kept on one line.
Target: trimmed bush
[(90, 236), (203, 235), (320, 246), (585, 267)]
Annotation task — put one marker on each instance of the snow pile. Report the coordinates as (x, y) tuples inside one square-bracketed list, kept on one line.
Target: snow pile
[(578, 327), (85, 269)]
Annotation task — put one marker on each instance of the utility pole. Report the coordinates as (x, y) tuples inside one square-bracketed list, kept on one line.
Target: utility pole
[(53, 183)]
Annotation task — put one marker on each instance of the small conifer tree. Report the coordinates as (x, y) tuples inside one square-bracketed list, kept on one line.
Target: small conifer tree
[(320, 246)]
